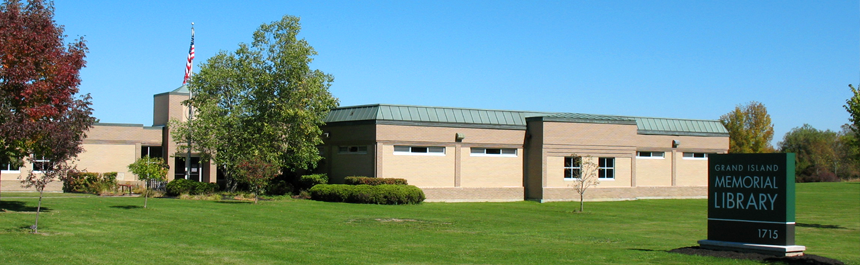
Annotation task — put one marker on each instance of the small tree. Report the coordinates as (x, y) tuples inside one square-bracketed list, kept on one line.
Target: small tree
[(584, 173), (149, 169), (257, 173)]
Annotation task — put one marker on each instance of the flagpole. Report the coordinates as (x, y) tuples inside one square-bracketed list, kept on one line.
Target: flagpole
[(190, 108)]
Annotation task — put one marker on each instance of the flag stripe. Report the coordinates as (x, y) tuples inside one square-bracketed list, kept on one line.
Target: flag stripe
[(190, 59)]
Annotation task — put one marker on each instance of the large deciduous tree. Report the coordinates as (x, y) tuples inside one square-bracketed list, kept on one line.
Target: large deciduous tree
[(750, 129), (263, 100), (149, 169), (40, 112)]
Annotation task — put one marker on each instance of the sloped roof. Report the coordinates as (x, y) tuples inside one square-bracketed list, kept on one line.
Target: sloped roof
[(446, 116)]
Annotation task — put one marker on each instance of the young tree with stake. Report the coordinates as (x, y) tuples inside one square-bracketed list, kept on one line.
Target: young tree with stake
[(149, 169), (584, 171)]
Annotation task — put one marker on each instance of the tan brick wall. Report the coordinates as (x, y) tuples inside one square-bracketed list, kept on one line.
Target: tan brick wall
[(692, 172), (473, 194), (604, 194), (112, 134), (109, 158), (428, 134), (491, 171), (420, 170), (344, 165), (654, 172)]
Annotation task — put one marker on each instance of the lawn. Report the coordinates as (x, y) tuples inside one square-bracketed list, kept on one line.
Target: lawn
[(78, 229)]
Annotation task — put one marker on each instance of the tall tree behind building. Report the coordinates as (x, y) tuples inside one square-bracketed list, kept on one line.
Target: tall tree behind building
[(750, 129), (39, 78)]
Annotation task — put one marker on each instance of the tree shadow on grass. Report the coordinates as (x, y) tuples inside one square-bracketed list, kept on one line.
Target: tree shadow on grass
[(819, 226), (19, 206), (127, 207)]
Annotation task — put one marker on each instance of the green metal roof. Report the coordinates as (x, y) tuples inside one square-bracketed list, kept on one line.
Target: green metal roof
[(445, 116)]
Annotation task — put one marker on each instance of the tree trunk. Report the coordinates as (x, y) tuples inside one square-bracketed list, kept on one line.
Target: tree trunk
[(38, 209), (581, 203), (146, 194)]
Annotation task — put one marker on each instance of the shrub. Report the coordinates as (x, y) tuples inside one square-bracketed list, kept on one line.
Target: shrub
[(360, 180), (279, 187), (372, 194), (186, 186), (308, 181), (89, 182)]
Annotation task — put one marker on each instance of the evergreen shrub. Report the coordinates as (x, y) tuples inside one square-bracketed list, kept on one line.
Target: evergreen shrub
[(361, 180), (371, 194), (308, 181), (187, 186)]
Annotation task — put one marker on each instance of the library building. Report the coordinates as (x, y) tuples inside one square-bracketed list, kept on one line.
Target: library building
[(452, 154)]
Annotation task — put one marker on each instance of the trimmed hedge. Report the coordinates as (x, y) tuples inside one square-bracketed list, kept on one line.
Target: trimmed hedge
[(308, 181), (356, 180), (372, 194), (190, 187)]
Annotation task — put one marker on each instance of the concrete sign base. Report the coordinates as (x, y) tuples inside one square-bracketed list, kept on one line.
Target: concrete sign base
[(775, 250)]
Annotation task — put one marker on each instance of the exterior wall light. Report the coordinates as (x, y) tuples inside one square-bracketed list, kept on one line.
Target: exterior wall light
[(460, 136), (675, 143)]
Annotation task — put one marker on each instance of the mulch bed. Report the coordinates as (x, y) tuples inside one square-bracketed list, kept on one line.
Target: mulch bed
[(805, 259)]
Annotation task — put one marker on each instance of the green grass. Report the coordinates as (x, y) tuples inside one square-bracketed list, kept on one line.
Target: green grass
[(83, 229)]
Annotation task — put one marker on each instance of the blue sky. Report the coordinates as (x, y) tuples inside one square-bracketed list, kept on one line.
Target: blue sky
[(677, 59)]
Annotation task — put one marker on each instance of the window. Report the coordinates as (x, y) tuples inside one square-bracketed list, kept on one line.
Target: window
[(695, 155), (650, 155), (40, 163), (606, 168), (419, 150), (151, 151), (572, 167), (9, 167), (477, 151), (356, 150)]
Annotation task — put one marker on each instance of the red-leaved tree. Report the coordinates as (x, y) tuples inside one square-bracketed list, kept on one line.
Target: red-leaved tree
[(40, 112), (257, 172)]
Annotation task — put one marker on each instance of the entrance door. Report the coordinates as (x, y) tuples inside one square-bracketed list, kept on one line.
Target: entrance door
[(196, 169)]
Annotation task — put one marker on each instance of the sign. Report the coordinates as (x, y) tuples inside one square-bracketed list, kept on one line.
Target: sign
[(751, 198)]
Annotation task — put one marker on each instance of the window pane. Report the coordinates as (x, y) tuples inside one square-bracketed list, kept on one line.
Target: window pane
[(688, 154), (494, 151), (658, 154), (438, 150), (401, 148), (362, 148), (568, 173), (509, 151), (416, 149), (568, 161), (477, 150)]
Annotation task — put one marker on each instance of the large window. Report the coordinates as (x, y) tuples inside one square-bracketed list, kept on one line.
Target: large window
[(572, 167), (418, 150), (479, 151), (702, 156), (151, 151), (356, 150), (657, 155), (606, 168)]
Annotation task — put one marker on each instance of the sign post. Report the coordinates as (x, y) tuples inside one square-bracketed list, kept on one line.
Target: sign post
[(751, 204)]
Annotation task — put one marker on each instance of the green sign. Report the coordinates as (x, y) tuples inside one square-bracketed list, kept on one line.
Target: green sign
[(751, 198)]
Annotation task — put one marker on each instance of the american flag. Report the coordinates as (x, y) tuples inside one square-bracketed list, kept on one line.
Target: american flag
[(190, 57)]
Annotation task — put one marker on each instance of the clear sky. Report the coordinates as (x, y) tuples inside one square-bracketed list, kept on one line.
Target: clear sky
[(675, 59)]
